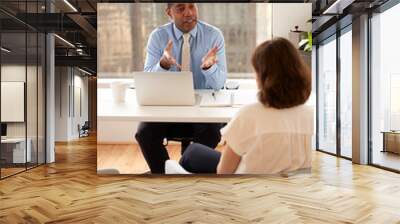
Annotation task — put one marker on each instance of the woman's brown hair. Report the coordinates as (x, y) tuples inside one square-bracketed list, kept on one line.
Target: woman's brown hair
[(284, 79)]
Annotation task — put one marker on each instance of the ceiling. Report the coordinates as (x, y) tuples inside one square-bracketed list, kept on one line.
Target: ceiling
[(75, 21)]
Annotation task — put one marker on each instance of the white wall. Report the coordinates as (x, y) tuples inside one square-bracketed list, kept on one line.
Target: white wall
[(12, 101), (288, 15), (13, 73), (69, 82), (62, 81), (79, 117)]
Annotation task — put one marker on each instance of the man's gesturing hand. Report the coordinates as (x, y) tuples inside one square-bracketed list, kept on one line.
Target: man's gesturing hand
[(209, 59), (167, 60)]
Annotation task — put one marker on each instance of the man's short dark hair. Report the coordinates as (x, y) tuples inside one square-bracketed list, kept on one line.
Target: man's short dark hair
[(169, 5)]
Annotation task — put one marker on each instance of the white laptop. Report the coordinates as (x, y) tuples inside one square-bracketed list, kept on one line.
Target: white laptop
[(164, 88)]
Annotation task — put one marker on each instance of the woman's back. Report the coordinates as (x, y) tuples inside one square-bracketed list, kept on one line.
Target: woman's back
[(273, 135), (271, 140)]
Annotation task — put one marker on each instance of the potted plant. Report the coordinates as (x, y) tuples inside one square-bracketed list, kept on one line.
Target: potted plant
[(305, 44)]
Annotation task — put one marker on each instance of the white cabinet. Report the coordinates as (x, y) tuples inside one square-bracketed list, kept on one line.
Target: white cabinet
[(15, 148)]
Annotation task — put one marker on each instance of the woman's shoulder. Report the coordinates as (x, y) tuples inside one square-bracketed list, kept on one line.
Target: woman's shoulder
[(251, 108), (257, 108), (262, 114)]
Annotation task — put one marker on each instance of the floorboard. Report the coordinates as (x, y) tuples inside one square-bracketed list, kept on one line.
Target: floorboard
[(70, 191)]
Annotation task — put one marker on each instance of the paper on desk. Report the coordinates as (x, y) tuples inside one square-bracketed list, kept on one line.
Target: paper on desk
[(243, 97), (221, 99)]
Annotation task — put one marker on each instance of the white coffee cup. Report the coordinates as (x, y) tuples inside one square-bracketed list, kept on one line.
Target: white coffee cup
[(118, 89)]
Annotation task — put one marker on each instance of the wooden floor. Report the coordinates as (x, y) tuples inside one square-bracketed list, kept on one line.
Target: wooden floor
[(387, 159), (10, 171), (5, 172), (70, 191), (128, 159)]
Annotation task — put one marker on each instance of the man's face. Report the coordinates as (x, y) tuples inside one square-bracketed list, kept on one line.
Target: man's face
[(184, 15)]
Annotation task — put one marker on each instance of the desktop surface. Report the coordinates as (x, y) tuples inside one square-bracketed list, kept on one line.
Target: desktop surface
[(118, 122), (130, 110)]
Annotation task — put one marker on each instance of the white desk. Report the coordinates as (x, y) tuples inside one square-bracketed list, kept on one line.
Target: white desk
[(130, 110), (12, 140), (19, 154), (117, 122)]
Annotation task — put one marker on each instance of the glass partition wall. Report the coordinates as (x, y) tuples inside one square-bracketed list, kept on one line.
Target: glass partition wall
[(385, 89), (326, 140), (334, 94), (334, 83), (22, 100), (345, 65), (13, 88)]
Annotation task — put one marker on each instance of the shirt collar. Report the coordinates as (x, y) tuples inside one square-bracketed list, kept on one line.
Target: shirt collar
[(178, 33)]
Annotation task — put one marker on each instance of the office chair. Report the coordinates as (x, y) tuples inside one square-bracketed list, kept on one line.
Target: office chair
[(184, 140), (84, 130), (184, 136)]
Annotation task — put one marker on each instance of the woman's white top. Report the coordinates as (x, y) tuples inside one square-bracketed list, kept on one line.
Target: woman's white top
[(269, 140)]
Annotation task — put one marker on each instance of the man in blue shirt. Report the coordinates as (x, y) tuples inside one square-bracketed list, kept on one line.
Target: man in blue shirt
[(183, 44)]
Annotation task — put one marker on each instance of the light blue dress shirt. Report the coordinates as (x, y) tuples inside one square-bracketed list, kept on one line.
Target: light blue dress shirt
[(202, 38)]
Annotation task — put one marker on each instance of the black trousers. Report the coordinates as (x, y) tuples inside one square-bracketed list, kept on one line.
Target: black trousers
[(150, 136), (199, 158)]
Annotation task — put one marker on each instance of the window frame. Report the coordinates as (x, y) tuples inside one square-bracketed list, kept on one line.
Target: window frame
[(333, 37), (379, 10)]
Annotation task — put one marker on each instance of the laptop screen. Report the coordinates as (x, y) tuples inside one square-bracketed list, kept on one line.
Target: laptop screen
[(3, 129)]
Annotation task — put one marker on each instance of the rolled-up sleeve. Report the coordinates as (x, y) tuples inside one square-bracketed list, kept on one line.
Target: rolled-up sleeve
[(216, 75), (154, 53), (238, 132)]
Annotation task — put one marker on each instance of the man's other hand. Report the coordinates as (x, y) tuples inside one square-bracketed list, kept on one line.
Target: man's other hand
[(167, 60), (209, 59)]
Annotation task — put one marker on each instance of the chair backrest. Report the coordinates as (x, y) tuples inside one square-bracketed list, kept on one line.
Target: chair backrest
[(86, 125)]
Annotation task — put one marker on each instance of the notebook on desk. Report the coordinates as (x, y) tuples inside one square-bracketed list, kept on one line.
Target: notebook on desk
[(216, 99), (228, 98)]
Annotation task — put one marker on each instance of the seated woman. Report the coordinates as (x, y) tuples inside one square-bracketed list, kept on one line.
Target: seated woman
[(273, 135)]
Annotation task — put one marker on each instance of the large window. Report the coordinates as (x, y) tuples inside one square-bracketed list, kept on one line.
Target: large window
[(346, 92), (123, 31), (238, 23), (313, 99), (335, 93), (327, 96), (385, 89)]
